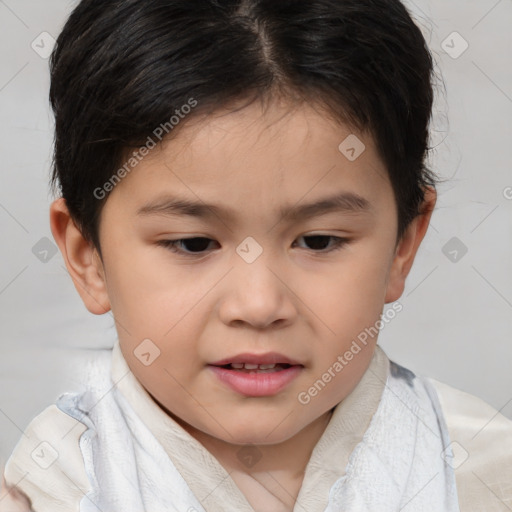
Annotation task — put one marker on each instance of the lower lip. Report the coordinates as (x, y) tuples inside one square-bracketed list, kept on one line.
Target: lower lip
[(257, 384)]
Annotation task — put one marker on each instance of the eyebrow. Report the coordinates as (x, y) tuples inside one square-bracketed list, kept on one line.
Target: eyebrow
[(344, 202)]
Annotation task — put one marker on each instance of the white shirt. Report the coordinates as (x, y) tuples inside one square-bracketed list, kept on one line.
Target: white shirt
[(481, 440)]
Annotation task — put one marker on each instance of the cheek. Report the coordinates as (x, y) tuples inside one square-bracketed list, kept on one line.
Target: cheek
[(346, 298), (149, 296), (162, 306)]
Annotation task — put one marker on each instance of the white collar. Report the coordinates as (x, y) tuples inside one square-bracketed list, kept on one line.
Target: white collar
[(202, 471)]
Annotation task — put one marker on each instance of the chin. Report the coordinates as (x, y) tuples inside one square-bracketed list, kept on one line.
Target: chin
[(257, 439), (261, 433)]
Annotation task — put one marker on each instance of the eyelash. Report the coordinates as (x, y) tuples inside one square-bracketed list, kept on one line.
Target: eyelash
[(172, 245)]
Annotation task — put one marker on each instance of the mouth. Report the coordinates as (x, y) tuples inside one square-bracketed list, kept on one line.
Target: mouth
[(256, 380), (256, 368)]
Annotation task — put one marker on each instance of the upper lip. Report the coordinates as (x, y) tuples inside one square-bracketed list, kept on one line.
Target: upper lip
[(266, 358)]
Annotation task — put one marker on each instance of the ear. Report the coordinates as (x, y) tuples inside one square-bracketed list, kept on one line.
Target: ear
[(82, 259), (408, 247)]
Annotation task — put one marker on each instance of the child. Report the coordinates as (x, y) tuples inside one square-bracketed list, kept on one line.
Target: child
[(203, 150)]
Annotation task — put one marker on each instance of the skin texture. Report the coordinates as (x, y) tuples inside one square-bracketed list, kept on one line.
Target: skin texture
[(12, 499), (296, 299)]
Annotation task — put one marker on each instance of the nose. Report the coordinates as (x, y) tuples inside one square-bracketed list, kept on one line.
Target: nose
[(258, 294)]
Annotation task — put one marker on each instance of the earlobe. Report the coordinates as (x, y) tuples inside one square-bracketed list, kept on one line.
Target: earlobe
[(408, 247), (82, 260)]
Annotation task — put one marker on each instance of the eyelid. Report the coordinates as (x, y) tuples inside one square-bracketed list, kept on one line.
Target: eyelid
[(171, 245)]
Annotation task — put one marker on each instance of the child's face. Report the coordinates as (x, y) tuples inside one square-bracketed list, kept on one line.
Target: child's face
[(298, 297)]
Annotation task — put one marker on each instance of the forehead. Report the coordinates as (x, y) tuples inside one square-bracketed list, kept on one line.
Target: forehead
[(288, 159)]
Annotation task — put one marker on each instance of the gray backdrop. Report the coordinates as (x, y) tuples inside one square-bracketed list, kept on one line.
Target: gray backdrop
[(456, 322)]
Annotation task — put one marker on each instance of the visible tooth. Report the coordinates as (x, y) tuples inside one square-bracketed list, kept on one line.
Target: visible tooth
[(249, 366), (267, 366), (238, 366)]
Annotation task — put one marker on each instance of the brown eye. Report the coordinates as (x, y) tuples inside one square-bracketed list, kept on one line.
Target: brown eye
[(196, 245), (319, 243)]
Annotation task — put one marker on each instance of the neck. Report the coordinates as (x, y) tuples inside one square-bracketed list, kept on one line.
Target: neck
[(290, 456)]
